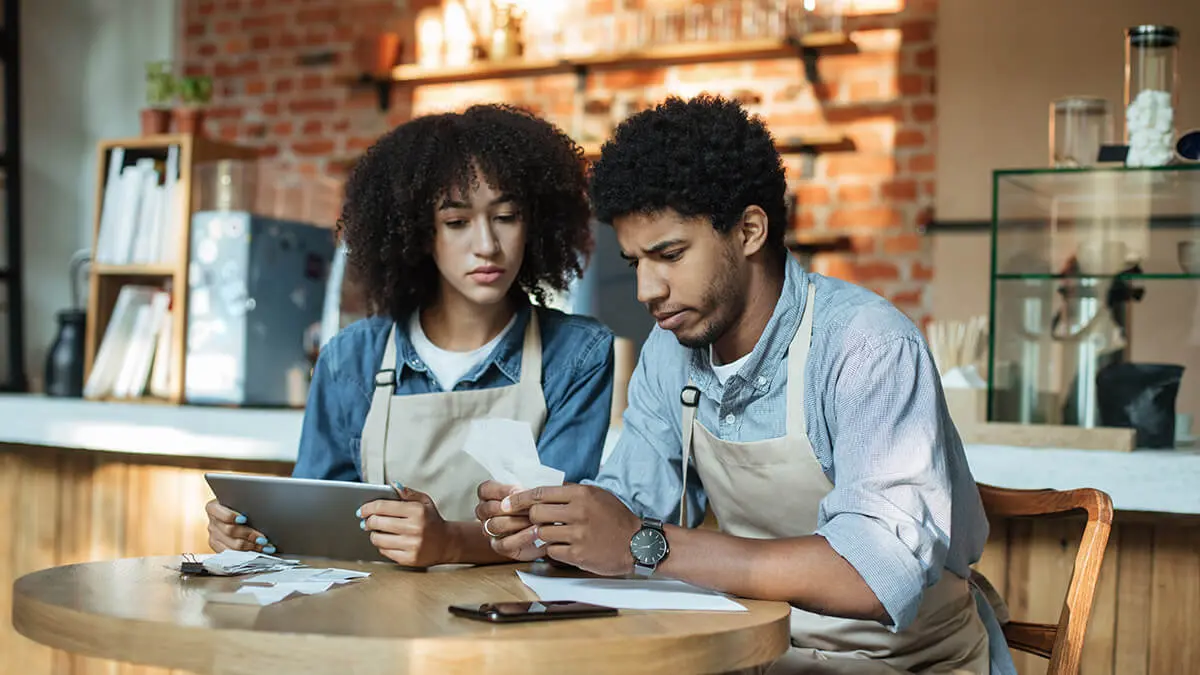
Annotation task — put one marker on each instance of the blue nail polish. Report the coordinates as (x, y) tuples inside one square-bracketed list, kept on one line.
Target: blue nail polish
[(269, 550), (362, 525), (240, 520), (260, 541), (358, 512)]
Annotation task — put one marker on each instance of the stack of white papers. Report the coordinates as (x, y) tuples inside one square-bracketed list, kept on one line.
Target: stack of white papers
[(664, 594), (231, 563), (506, 450), (271, 588)]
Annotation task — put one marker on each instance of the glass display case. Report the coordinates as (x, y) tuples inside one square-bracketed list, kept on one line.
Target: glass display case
[(1095, 300)]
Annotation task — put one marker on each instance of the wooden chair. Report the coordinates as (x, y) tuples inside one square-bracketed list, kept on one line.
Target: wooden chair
[(1061, 643)]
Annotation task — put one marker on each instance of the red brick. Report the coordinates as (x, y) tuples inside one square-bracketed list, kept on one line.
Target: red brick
[(313, 148), (254, 129), (909, 138), (224, 27), (228, 132), (630, 79), (922, 163), (927, 58), (261, 22), (207, 49), (289, 41), (312, 105), (804, 219), (916, 31), (861, 92), (855, 194), (318, 16), (900, 190), (812, 195), (341, 125), (911, 85), (857, 165), (256, 87), (795, 119), (923, 112), (876, 217), (195, 30), (312, 82), (929, 188), (876, 271), (284, 85), (268, 151), (903, 243), (854, 113), (260, 42), (206, 8), (317, 37), (284, 128), (271, 108), (922, 272), (237, 45), (358, 144), (225, 112), (908, 298), (312, 127)]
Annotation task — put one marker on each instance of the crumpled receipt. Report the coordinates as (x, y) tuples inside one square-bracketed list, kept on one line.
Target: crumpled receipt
[(507, 451)]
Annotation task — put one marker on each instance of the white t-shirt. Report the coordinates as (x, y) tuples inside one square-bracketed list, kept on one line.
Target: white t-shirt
[(449, 367), (724, 372)]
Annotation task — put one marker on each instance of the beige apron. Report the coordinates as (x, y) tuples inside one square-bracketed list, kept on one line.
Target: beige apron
[(417, 439), (773, 489)]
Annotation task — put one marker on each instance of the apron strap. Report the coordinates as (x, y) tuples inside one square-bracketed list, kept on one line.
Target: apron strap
[(531, 355), (690, 398), (374, 443), (797, 361)]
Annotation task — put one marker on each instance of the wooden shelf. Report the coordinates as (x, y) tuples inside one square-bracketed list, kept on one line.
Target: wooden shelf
[(665, 55), (817, 243), (134, 270)]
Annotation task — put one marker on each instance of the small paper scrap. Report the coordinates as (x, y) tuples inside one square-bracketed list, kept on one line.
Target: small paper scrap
[(271, 588), (654, 594), (232, 563), (506, 450)]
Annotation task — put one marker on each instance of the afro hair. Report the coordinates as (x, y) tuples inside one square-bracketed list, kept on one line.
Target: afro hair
[(387, 218), (701, 157)]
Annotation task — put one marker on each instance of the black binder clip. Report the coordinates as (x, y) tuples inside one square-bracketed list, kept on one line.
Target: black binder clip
[(191, 567)]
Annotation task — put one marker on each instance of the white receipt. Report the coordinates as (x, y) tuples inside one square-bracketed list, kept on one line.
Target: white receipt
[(664, 594), (506, 450), (270, 588)]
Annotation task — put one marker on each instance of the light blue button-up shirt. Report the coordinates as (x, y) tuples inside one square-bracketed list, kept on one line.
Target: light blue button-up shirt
[(904, 505)]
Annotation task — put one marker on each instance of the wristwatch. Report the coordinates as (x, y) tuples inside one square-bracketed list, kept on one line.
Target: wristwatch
[(649, 547)]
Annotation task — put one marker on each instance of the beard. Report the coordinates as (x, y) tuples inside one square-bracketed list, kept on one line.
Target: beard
[(722, 303)]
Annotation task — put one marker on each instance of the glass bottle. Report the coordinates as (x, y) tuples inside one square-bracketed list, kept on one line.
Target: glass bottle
[(1151, 93)]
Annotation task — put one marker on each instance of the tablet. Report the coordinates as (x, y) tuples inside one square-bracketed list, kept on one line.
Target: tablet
[(303, 516)]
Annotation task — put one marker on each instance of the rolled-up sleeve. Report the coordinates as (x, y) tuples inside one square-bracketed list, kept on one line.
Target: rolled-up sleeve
[(890, 510)]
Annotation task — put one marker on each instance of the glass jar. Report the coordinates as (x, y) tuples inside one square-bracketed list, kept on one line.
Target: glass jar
[(1079, 125), (1151, 93)]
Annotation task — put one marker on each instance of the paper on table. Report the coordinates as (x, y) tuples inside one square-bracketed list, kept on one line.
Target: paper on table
[(230, 562), (271, 588), (506, 449), (665, 594), (308, 574)]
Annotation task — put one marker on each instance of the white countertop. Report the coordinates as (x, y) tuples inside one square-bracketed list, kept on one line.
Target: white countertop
[(1146, 480)]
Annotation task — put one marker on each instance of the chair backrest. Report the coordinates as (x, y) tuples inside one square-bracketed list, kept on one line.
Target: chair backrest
[(1061, 643)]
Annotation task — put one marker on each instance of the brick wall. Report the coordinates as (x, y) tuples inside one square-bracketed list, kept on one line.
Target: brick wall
[(281, 68)]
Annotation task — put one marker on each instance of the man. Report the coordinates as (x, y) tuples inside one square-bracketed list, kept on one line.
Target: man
[(807, 411)]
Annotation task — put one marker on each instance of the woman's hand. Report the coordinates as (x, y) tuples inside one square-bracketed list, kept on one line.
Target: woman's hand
[(227, 530), (410, 531)]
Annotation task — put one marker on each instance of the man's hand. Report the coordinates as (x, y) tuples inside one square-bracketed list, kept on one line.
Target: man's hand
[(512, 535), (411, 531), (581, 525)]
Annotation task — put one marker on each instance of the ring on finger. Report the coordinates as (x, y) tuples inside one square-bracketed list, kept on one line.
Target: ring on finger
[(488, 530)]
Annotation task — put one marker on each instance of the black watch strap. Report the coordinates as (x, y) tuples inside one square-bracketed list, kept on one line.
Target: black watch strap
[(640, 568)]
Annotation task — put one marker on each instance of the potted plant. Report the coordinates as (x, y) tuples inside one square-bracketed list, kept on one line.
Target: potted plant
[(160, 87), (194, 92)]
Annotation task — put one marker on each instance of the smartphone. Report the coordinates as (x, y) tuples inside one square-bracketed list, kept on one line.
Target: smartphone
[(513, 612)]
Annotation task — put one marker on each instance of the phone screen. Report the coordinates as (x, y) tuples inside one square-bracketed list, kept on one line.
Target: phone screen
[(531, 611)]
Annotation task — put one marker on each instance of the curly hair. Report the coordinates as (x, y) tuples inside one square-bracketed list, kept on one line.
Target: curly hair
[(701, 157), (391, 195)]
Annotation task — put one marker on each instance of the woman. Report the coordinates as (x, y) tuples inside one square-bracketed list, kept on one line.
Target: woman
[(452, 222)]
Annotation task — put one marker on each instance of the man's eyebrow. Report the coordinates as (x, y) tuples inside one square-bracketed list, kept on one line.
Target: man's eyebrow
[(656, 248)]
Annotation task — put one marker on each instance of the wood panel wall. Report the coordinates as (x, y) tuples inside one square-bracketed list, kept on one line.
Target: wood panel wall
[(72, 506), (65, 506)]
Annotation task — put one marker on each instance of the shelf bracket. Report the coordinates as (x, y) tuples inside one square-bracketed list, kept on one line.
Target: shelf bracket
[(383, 91), (809, 56)]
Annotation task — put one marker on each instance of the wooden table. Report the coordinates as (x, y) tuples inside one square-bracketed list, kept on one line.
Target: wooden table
[(138, 610)]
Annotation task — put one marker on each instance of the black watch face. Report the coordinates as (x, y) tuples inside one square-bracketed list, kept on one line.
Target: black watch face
[(648, 546)]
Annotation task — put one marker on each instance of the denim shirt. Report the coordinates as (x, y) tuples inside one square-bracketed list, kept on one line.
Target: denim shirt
[(577, 372), (904, 505)]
